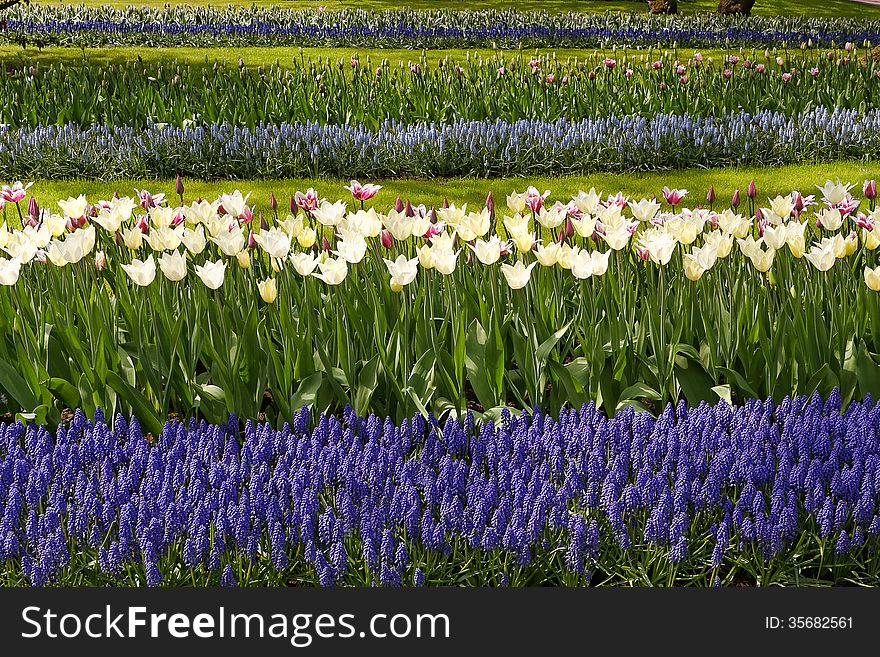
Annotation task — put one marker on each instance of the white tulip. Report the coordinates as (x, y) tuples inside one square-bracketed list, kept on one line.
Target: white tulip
[(212, 274), (142, 272)]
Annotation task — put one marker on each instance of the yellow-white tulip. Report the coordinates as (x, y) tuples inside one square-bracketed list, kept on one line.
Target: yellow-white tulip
[(721, 241), (330, 214), (692, 270), (567, 254), (831, 219), (443, 242), (872, 278), (304, 263), (141, 272), (782, 207), (55, 224), (293, 226), (599, 262), (123, 206), (870, 239), (274, 241), (444, 260), (517, 275), (420, 225), (74, 208), (582, 265), (212, 273), (547, 255), (165, 238), (516, 224), (644, 210), (194, 239), (516, 203), (851, 243), (403, 271), (659, 244), (77, 245), (487, 251), (173, 265), (162, 216), (822, 257), (426, 258), (268, 290), (234, 203), (9, 271), (588, 202), (551, 217), (365, 222), (399, 225), (750, 246), (705, 257), (474, 225), (200, 212), (230, 242), (243, 258), (39, 237), (133, 238), (775, 237), (735, 224), (523, 241), (762, 260), (110, 220), (306, 238), (612, 217), (834, 193), (617, 237), (352, 248), (21, 248), (585, 226), (452, 215), (333, 270), (55, 254)]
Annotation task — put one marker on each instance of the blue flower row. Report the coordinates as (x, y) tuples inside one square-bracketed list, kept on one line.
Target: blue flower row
[(346, 495), (82, 26), (462, 148)]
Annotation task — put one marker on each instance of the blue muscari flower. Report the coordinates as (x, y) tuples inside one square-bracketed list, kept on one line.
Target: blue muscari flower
[(227, 578), (535, 475), (418, 577)]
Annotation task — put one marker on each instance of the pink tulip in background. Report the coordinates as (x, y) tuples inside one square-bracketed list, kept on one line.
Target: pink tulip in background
[(363, 192), (309, 200)]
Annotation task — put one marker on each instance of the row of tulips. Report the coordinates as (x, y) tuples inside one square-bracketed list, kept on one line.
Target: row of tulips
[(490, 148), (89, 26), (509, 88), (218, 307), (713, 495)]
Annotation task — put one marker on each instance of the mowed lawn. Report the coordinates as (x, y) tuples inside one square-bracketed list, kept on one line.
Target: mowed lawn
[(288, 56), (769, 182)]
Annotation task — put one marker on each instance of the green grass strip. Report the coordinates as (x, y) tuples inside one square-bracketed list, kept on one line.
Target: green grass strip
[(770, 181)]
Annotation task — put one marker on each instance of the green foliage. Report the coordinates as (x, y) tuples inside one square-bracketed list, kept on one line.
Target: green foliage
[(537, 88)]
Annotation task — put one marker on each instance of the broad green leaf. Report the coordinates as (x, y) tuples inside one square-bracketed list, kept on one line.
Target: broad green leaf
[(142, 409), (17, 388)]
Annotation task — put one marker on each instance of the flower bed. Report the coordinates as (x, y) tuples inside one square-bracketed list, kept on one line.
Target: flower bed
[(457, 149), (82, 26), (214, 307), (754, 494), (496, 88)]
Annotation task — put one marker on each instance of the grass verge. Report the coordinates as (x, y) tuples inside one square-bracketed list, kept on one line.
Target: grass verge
[(769, 181), (287, 55)]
